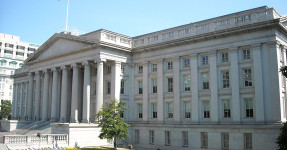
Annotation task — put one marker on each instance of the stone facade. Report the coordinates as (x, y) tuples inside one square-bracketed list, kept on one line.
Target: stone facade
[(213, 84)]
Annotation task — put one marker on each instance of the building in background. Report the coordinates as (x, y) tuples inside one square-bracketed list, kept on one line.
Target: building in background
[(13, 52), (212, 84)]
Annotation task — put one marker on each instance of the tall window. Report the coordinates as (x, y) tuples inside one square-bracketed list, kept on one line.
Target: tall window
[(154, 110), (167, 138), (169, 84), (204, 60), (249, 108), (140, 86), (140, 111), (246, 54), (225, 141), (3, 62), (187, 83), (186, 63), (154, 85), (224, 57), (13, 64), (137, 136), (225, 79), (248, 141), (169, 65), (151, 136), (154, 67), (109, 69), (204, 140), (226, 109), (169, 110), (206, 109), (122, 68), (247, 77), (205, 81), (185, 138), (108, 87), (122, 87), (187, 110), (140, 69)]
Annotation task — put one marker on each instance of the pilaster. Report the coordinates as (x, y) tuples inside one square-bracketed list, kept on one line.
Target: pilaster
[(145, 92), (37, 96), (54, 109), (64, 94), (75, 94), (45, 95), (160, 104), (213, 86), (116, 80), (176, 89), (86, 92), (194, 88), (100, 84)]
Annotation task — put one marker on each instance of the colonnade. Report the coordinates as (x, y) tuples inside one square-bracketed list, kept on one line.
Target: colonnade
[(63, 93)]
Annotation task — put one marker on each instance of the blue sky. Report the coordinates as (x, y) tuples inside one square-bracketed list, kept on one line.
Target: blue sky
[(36, 20)]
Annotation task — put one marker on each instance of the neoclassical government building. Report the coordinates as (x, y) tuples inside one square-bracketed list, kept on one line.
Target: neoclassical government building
[(212, 84)]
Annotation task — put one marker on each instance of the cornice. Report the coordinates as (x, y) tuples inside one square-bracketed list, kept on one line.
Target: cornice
[(212, 35)]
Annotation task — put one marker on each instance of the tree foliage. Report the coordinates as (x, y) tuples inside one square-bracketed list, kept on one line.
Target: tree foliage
[(282, 138), (113, 125), (284, 71), (6, 109)]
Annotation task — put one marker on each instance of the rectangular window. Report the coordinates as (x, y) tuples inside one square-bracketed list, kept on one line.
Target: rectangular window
[(248, 141), (8, 52), (122, 87), (204, 60), (185, 138), (226, 109), (249, 108), (108, 87), (140, 111), (154, 110), (225, 141), (246, 54), (9, 45), (20, 47), (206, 109), (19, 53), (187, 110), (225, 79), (122, 113), (154, 85), (205, 81), (187, 83), (167, 138), (31, 49), (204, 140), (140, 86), (224, 57), (154, 67), (170, 84), (169, 110), (109, 69), (151, 137), (122, 69), (169, 65), (247, 77), (140, 69), (186, 63), (137, 136)]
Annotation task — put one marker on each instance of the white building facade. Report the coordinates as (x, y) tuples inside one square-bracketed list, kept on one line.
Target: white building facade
[(213, 84), (13, 52)]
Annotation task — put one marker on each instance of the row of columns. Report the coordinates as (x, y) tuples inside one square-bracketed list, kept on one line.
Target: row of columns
[(213, 81), (69, 92)]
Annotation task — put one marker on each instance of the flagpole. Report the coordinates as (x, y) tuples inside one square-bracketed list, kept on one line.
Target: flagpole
[(66, 30)]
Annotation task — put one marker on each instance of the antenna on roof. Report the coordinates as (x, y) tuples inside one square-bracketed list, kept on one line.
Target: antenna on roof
[(66, 29)]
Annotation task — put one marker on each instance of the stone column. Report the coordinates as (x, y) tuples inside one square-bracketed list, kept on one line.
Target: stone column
[(194, 88), (20, 100), (160, 104), (258, 83), (75, 94), (86, 93), (30, 96), (145, 92), (213, 87), (100, 85), (37, 96), (54, 106), (45, 96), (64, 94), (14, 102), (176, 90), (116, 80), (26, 101), (234, 72)]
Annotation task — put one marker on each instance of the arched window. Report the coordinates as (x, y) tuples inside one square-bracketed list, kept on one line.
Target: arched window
[(3, 62), (21, 64), (12, 64)]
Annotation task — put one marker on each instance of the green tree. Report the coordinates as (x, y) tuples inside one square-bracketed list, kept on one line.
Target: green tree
[(282, 138), (6, 109), (113, 125)]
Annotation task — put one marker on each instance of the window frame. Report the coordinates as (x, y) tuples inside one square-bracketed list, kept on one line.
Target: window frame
[(205, 81), (151, 137), (247, 77), (184, 138), (154, 85), (170, 110), (226, 108), (187, 83), (169, 65), (206, 109), (225, 141), (167, 138), (246, 54), (225, 79), (249, 108), (248, 141), (224, 57), (187, 109), (154, 110), (169, 84), (204, 60), (140, 110), (204, 139), (140, 87), (186, 62)]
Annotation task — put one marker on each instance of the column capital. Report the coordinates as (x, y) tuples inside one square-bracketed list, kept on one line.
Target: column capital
[(54, 69), (194, 55), (46, 71), (159, 61), (233, 49), (98, 60), (37, 72), (272, 43), (75, 65), (175, 58), (86, 62), (256, 46), (284, 47), (65, 67), (212, 53)]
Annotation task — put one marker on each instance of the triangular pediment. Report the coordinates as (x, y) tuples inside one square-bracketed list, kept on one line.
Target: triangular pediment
[(59, 44)]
